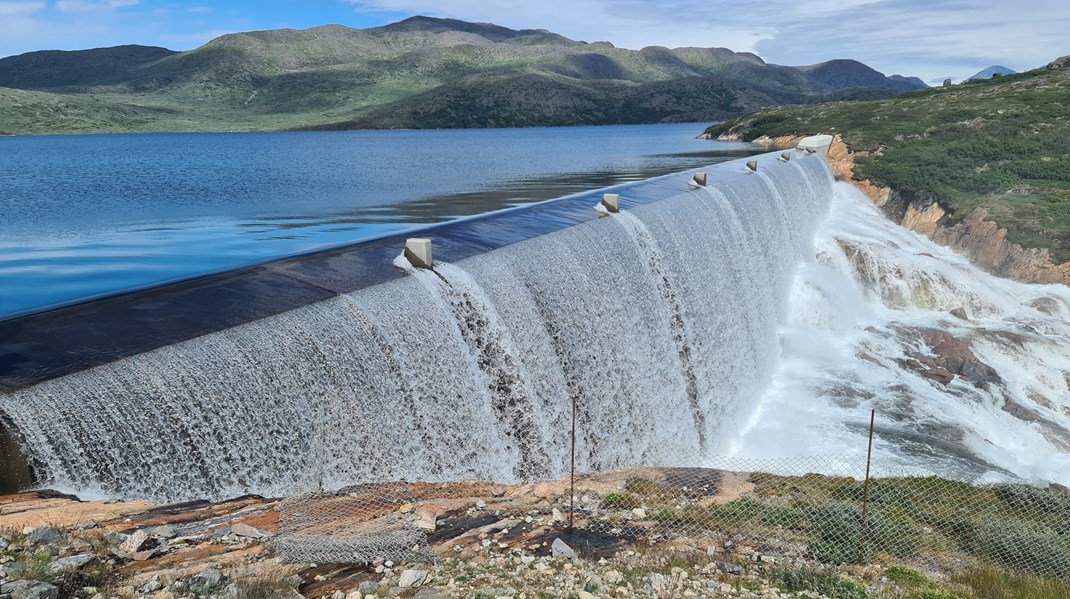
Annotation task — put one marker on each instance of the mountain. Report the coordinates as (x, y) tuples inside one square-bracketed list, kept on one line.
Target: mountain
[(54, 68), (990, 72), (915, 81), (992, 181), (418, 73), (846, 74)]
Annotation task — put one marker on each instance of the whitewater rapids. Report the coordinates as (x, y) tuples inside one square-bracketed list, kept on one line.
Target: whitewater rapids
[(847, 340)]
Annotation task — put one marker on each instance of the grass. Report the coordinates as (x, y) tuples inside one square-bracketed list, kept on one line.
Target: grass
[(998, 145), (991, 583), (825, 582)]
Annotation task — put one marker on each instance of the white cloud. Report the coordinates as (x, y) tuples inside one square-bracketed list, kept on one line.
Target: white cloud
[(928, 38), (74, 6), (20, 8)]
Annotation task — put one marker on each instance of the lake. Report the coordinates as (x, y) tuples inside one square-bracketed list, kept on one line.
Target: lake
[(88, 216)]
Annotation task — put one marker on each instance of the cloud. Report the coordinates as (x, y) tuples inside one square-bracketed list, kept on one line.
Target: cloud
[(20, 8), (75, 6), (928, 38)]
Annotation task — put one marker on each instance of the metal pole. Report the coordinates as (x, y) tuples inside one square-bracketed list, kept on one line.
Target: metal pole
[(865, 493), (572, 491)]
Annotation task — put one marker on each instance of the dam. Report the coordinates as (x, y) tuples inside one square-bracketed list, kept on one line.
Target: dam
[(342, 367), (753, 308)]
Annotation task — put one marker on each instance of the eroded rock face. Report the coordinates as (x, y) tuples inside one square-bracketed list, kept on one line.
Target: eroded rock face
[(941, 357), (981, 240)]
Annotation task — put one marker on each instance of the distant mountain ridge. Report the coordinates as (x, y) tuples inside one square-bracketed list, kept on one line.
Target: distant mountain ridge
[(420, 72), (992, 71)]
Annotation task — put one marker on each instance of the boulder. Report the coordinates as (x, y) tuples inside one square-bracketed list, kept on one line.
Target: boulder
[(244, 530), (208, 582), (960, 313), (412, 578), (561, 549), (40, 536), (72, 563), (164, 532), (29, 589), (134, 542)]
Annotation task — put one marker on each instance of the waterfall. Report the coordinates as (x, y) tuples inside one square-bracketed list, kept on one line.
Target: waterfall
[(660, 323)]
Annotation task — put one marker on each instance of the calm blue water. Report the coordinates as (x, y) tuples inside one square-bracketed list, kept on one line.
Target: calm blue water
[(83, 216)]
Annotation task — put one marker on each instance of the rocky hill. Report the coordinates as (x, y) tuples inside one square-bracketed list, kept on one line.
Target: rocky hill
[(981, 166), (992, 71), (418, 73)]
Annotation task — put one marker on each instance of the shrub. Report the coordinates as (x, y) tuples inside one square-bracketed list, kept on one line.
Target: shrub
[(836, 534), (906, 576), (619, 500), (828, 583), (1020, 546)]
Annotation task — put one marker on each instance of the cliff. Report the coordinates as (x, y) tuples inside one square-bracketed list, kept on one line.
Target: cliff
[(981, 240)]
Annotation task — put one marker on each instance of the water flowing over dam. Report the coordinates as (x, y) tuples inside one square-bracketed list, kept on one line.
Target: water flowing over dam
[(735, 318), (659, 322)]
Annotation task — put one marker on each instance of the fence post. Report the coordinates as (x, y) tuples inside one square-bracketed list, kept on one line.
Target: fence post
[(572, 475), (865, 493)]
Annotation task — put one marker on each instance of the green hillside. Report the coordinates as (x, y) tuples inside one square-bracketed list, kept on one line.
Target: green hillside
[(1000, 144), (417, 73)]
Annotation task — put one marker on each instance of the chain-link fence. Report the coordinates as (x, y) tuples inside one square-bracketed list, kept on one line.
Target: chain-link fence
[(763, 510)]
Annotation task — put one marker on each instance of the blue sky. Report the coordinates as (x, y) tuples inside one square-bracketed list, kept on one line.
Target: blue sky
[(932, 39)]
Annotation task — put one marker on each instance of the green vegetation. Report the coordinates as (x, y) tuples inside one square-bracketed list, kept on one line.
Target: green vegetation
[(998, 145), (619, 500), (827, 583), (906, 576), (419, 73), (992, 583)]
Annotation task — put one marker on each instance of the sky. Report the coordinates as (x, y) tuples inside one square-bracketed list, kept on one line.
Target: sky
[(931, 39)]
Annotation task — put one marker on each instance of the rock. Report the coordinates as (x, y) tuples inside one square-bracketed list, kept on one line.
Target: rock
[(426, 520), (368, 586), (208, 582), (947, 83), (481, 505), (40, 536), (153, 585), (72, 563), (429, 593), (244, 530), (561, 549), (585, 595), (639, 513), (29, 589), (593, 584), (164, 532), (355, 595), (412, 578), (141, 556), (728, 568), (134, 542), (960, 313)]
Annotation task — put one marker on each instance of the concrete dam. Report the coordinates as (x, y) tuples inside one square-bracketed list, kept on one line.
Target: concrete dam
[(697, 314)]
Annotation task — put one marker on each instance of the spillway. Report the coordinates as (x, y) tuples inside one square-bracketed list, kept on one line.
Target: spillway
[(760, 316), (660, 323)]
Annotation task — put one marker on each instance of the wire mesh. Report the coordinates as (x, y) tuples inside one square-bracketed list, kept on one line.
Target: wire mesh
[(752, 509)]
